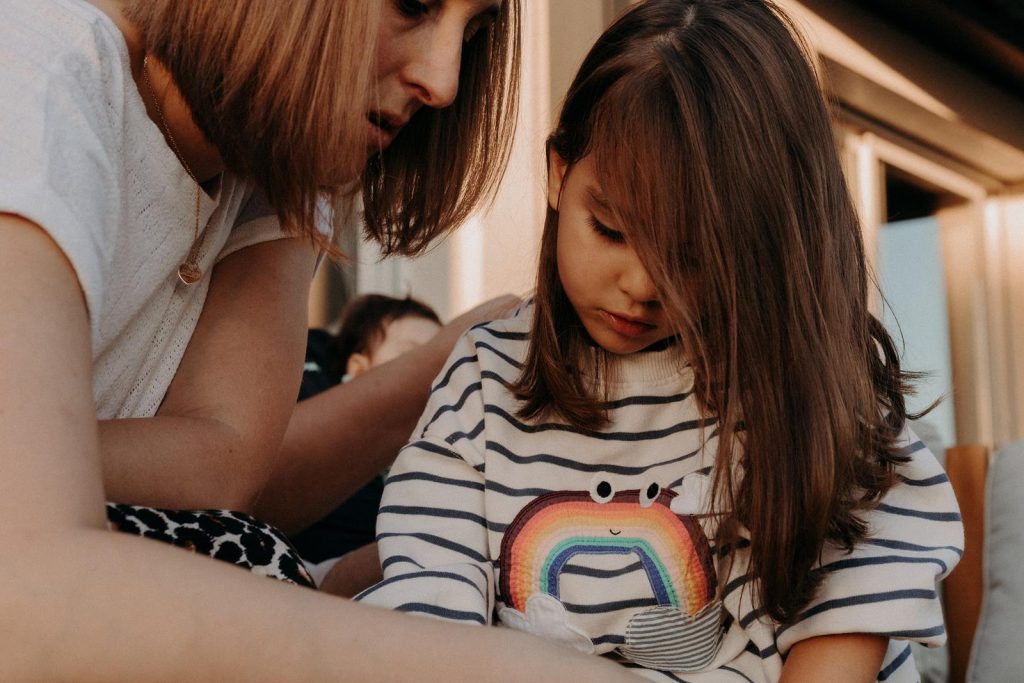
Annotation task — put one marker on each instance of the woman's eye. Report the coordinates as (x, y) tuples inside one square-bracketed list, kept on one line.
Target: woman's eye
[(476, 25), (606, 232), (412, 8)]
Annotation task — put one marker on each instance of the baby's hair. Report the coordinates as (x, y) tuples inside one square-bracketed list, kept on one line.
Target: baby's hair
[(365, 318), (713, 145)]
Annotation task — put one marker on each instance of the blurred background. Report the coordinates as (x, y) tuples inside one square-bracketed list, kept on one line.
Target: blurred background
[(929, 99)]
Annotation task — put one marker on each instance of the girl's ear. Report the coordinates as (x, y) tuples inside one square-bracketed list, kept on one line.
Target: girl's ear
[(358, 363), (556, 173)]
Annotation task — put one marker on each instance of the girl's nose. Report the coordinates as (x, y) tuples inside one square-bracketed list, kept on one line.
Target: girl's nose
[(636, 283), (433, 75)]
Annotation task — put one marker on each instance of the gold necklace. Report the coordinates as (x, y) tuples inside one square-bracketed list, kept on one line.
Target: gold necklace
[(188, 272)]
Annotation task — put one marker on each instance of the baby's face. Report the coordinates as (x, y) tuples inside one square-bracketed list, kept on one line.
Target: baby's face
[(402, 335)]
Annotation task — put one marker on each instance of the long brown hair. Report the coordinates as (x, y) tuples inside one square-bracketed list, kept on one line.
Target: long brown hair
[(446, 161), (279, 88), (714, 145)]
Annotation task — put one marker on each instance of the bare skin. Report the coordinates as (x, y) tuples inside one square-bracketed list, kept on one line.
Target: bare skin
[(354, 572), (842, 658)]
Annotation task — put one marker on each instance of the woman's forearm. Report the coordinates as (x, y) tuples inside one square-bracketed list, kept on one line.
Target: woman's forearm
[(86, 604), (180, 462), (340, 439)]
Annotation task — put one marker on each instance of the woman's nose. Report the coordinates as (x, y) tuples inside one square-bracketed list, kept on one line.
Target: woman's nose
[(434, 74)]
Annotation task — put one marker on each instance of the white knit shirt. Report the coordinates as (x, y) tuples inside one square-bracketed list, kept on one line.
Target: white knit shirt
[(80, 157)]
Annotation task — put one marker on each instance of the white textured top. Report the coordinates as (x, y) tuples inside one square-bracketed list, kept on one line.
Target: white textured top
[(594, 538), (80, 157)]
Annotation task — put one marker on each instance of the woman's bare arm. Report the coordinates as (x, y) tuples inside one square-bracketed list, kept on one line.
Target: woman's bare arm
[(217, 433), (80, 603), (340, 439)]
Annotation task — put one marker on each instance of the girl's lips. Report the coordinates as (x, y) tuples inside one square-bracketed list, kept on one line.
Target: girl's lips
[(627, 327)]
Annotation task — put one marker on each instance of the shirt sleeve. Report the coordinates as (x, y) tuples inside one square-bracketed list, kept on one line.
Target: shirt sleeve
[(888, 584), (56, 141), (257, 222), (431, 528)]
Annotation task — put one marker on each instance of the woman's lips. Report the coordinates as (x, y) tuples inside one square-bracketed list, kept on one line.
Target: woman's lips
[(627, 327), (377, 137), (383, 127)]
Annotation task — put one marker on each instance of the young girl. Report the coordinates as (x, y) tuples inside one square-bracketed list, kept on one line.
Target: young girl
[(690, 451)]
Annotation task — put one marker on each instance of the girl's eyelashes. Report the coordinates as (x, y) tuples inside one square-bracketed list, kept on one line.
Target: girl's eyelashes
[(606, 232)]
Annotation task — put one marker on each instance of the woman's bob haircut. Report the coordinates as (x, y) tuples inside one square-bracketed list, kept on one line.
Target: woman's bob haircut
[(447, 161), (277, 87)]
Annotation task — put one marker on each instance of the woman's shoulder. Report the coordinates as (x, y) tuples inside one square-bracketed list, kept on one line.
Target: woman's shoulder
[(68, 64), (61, 40)]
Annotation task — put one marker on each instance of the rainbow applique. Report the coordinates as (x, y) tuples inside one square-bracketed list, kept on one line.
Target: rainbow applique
[(556, 527)]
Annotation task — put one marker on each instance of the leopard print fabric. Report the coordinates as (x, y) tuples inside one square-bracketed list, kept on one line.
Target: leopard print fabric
[(233, 537)]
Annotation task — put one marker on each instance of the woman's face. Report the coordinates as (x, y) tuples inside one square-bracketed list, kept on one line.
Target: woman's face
[(418, 56)]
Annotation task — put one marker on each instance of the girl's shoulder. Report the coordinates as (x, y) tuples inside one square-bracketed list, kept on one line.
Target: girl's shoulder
[(495, 348), (513, 330)]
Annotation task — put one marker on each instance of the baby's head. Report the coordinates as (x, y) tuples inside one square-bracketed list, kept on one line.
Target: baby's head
[(377, 328), (695, 192)]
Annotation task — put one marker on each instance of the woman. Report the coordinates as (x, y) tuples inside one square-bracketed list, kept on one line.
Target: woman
[(136, 251)]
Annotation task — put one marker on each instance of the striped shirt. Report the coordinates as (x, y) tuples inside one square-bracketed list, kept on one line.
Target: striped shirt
[(594, 538)]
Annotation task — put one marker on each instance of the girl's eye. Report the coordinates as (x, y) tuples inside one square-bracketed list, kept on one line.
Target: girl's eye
[(606, 232), (412, 8)]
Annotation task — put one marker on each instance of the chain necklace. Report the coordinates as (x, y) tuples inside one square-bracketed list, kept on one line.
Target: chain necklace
[(188, 272)]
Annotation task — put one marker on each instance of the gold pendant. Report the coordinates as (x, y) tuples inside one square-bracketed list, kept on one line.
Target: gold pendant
[(189, 273)]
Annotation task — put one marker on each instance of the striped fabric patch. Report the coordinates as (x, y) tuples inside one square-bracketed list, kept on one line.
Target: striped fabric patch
[(670, 640)]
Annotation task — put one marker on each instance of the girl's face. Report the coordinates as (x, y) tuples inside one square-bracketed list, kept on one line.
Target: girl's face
[(418, 57), (608, 286)]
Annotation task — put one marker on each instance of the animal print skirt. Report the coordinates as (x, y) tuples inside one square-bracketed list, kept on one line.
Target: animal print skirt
[(225, 535)]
